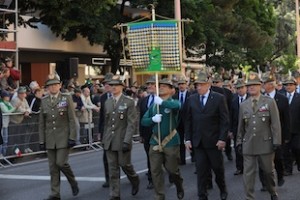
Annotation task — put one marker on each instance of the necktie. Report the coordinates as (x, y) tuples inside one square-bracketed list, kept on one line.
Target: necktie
[(254, 104), (242, 99), (114, 103), (202, 101), (150, 100), (289, 97), (53, 98), (181, 99)]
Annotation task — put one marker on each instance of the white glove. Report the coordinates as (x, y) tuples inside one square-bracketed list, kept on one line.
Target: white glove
[(158, 100), (157, 118)]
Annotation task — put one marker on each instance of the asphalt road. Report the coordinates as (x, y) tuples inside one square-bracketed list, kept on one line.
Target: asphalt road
[(30, 181)]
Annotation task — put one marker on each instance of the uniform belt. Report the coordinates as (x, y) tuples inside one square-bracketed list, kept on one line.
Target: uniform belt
[(165, 141)]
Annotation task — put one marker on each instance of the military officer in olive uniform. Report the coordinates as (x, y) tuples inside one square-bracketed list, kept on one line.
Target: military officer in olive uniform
[(119, 125), (167, 153), (259, 134), (57, 134)]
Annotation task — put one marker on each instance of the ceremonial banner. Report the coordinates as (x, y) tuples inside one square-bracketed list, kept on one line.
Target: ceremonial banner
[(154, 46)]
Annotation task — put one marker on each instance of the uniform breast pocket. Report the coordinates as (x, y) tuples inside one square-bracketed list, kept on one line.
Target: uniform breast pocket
[(62, 112), (246, 118), (264, 116), (122, 113)]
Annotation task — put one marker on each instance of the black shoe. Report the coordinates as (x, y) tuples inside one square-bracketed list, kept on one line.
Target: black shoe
[(280, 182), (223, 195), (105, 185), (238, 172), (75, 190), (135, 186), (150, 185), (298, 168), (114, 198), (263, 189), (52, 198), (229, 157), (274, 197), (180, 191)]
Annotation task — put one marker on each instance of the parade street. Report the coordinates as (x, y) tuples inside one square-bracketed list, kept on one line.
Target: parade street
[(30, 181)]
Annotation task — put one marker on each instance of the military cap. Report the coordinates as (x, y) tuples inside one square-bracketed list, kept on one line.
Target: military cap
[(21, 90), (239, 83), (116, 80), (202, 78), (217, 78), (77, 90), (226, 83), (290, 80), (166, 81), (151, 80), (107, 77), (253, 79), (182, 80), (52, 79), (268, 77)]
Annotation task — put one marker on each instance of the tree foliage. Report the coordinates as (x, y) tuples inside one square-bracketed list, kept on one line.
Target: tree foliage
[(234, 32)]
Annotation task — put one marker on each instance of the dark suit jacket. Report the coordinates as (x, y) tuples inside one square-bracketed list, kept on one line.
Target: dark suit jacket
[(103, 99), (182, 112), (145, 131), (294, 109), (208, 125), (234, 114), (283, 105), (226, 92)]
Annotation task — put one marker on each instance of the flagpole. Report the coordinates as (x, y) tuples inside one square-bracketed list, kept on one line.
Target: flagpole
[(157, 87)]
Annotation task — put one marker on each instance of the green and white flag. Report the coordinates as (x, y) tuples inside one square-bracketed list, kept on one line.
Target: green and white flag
[(154, 46)]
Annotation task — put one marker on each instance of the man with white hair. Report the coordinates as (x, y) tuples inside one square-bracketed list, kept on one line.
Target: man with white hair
[(33, 86)]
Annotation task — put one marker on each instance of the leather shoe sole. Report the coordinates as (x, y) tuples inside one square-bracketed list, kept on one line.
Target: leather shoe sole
[(105, 185), (52, 198), (75, 190), (135, 187)]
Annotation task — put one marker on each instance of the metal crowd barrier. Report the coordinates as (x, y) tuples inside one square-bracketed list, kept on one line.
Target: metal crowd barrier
[(25, 135)]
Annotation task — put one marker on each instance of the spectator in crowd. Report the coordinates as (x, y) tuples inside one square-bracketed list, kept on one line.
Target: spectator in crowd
[(6, 108), (35, 103), (88, 108), (78, 104), (5, 73), (33, 86), (22, 107), (98, 91), (14, 73)]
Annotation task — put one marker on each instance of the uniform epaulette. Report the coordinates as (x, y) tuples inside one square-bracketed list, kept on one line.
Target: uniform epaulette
[(65, 94), (128, 97), (44, 97)]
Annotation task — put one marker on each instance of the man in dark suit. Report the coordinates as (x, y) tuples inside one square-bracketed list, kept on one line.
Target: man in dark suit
[(206, 129), (217, 86), (146, 132), (294, 110), (282, 103), (234, 116), (182, 96), (103, 99)]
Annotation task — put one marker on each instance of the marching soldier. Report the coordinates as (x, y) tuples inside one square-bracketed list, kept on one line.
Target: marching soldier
[(259, 134), (119, 125), (57, 134), (167, 153)]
